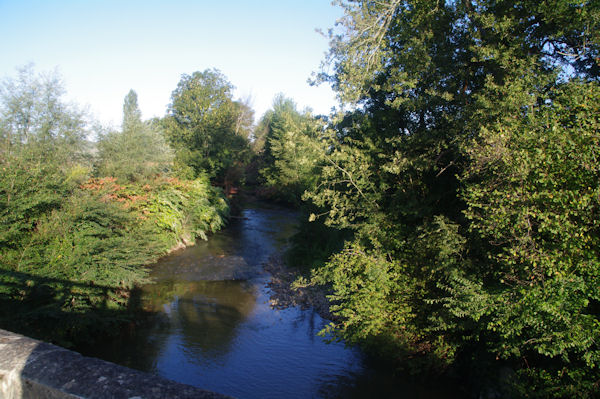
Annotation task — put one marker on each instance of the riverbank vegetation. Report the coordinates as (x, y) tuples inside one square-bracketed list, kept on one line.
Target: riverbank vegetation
[(81, 220), (466, 169), (464, 172), (452, 202)]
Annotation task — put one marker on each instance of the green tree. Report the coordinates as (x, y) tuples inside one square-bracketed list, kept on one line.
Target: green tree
[(455, 188), (139, 151), (291, 150), (532, 195), (42, 151), (132, 116), (205, 126), (34, 116), (244, 122)]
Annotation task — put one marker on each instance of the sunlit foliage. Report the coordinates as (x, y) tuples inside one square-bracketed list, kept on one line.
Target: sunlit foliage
[(72, 245), (290, 148), (137, 152), (467, 170), (207, 128)]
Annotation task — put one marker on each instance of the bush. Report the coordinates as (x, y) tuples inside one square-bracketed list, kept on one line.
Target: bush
[(80, 261)]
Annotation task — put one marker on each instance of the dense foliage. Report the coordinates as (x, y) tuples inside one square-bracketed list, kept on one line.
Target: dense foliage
[(289, 149), (463, 176), (207, 128), (467, 169), (137, 152), (75, 240)]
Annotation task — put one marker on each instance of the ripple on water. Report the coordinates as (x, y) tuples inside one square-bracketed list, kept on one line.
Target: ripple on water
[(216, 330)]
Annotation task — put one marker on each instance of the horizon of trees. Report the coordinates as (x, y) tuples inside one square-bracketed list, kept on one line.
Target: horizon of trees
[(452, 207)]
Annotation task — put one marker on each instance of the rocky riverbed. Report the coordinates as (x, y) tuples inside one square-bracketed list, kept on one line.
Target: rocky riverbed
[(284, 294)]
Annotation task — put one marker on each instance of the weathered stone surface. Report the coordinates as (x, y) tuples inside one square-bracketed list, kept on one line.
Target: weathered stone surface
[(35, 369)]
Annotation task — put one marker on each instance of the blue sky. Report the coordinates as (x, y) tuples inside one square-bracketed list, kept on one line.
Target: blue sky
[(104, 48)]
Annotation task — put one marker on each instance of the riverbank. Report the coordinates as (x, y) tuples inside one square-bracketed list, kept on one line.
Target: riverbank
[(285, 294), (73, 278)]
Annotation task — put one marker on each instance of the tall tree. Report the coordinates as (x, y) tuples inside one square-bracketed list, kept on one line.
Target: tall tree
[(34, 113), (42, 151), (202, 122), (132, 116), (244, 122), (137, 152), (443, 172), (292, 150)]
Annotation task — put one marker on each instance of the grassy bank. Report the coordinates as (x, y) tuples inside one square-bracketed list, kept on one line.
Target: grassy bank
[(72, 250)]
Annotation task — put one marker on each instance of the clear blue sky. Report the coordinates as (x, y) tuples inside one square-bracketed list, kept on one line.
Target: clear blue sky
[(104, 48)]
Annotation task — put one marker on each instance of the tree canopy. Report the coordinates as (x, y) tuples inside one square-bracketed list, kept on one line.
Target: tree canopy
[(290, 149), (34, 114), (466, 169), (207, 128), (139, 151)]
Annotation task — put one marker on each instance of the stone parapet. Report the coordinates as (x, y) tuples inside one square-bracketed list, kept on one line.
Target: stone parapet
[(34, 369)]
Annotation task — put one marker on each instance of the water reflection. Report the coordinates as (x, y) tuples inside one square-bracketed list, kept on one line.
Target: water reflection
[(205, 314), (214, 327)]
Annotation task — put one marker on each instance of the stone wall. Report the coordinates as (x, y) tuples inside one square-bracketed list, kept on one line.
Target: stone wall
[(35, 369)]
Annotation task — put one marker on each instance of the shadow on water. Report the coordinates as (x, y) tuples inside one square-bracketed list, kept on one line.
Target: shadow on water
[(63, 311), (207, 322)]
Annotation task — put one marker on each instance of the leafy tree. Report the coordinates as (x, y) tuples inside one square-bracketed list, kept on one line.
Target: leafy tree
[(468, 138), (41, 151), (34, 117), (205, 126), (532, 196), (291, 150), (139, 151), (132, 116), (244, 122), (259, 135)]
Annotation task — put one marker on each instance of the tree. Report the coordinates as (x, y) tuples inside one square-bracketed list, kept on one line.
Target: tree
[(42, 151), (33, 114), (443, 172), (205, 125), (244, 122), (292, 149), (532, 197), (139, 151), (132, 116)]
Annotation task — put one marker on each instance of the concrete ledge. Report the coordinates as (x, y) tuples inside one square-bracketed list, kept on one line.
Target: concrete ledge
[(35, 369)]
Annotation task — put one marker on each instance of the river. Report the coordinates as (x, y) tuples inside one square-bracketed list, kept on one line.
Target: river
[(215, 329)]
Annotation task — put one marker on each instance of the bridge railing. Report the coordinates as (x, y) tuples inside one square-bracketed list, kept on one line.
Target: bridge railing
[(34, 369)]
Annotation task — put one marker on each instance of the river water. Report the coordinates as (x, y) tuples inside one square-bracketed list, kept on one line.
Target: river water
[(216, 330)]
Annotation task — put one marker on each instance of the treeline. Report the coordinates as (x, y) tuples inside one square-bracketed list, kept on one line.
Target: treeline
[(81, 218), (453, 203), (463, 179)]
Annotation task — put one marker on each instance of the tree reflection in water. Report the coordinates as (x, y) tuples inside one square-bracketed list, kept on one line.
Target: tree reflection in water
[(205, 314), (213, 326)]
